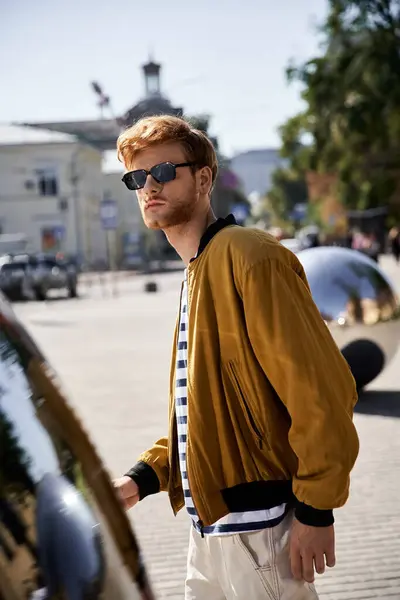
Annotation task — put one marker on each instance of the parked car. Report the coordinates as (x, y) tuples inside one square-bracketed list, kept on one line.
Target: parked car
[(47, 272), (72, 260), (63, 531), (55, 273), (17, 280)]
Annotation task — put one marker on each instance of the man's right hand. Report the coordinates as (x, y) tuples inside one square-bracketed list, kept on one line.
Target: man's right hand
[(127, 491)]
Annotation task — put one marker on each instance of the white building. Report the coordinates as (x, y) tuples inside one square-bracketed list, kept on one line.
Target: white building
[(129, 220), (255, 167), (51, 187)]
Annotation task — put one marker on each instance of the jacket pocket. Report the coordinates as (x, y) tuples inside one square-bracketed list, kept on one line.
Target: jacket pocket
[(250, 419)]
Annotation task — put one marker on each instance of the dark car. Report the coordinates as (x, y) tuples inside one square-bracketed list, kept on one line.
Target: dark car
[(17, 280), (63, 532), (48, 272)]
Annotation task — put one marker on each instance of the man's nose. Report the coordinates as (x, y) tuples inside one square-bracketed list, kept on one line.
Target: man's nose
[(151, 185)]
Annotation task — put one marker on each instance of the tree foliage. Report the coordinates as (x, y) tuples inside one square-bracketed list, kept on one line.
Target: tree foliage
[(288, 189), (351, 124)]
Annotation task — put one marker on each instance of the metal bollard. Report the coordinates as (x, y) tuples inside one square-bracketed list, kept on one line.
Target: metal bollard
[(151, 286)]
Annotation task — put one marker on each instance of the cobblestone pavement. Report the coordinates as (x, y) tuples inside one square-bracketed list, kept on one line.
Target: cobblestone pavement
[(113, 356)]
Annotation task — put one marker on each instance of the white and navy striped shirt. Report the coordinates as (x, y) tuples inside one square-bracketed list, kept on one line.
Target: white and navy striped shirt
[(243, 522)]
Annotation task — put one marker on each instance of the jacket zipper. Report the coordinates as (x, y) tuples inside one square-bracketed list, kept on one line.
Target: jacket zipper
[(199, 522), (253, 424), (174, 431)]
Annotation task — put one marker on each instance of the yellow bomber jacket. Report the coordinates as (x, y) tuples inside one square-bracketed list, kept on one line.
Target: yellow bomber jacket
[(270, 396)]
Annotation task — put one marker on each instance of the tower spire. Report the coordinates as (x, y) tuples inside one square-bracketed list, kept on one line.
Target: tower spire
[(151, 72)]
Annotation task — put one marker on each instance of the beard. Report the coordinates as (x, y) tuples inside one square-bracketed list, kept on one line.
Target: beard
[(173, 213)]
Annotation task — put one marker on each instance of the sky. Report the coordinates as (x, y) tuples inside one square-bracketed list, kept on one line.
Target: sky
[(226, 58)]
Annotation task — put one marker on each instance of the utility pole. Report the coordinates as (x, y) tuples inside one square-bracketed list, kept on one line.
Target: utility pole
[(74, 181)]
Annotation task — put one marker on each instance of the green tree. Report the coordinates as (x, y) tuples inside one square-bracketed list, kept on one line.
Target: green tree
[(288, 189), (351, 124), (289, 185)]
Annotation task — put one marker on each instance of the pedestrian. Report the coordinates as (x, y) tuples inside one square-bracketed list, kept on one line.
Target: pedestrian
[(261, 441), (394, 240)]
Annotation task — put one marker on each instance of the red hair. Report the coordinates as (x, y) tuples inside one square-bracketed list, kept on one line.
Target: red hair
[(151, 131)]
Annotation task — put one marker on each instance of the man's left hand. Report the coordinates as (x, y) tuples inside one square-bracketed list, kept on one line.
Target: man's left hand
[(309, 547)]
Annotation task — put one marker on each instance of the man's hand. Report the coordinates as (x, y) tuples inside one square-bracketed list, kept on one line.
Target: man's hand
[(311, 546), (127, 491)]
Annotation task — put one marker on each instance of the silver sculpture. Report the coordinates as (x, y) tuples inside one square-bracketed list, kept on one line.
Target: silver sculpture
[(359, 304)]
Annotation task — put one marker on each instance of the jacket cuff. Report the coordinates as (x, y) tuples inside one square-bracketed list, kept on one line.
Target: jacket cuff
[(145, 478), (308, 515)]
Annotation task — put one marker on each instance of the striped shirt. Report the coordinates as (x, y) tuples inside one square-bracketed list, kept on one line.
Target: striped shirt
[(243, 522)]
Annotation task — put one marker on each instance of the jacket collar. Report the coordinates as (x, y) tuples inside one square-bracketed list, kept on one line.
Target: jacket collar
[(212, 230)]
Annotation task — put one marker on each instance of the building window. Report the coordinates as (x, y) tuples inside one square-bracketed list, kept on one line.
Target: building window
[(47, 182), (52, 238), (30, 185)]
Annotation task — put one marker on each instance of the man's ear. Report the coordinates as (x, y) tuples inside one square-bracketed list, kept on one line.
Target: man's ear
[(205, 180)]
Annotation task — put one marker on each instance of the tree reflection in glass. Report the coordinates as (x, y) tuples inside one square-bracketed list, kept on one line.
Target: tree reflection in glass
[(42, 513)]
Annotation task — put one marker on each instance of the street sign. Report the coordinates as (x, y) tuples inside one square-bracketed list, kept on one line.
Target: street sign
[(59, 232), (109, 214)]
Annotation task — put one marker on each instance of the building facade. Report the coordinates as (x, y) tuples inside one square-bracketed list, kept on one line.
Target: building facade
[(129, 222), (255, 168), (50, 191), (102, 134)]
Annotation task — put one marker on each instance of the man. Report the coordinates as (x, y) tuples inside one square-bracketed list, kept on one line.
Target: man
[(261, 440)]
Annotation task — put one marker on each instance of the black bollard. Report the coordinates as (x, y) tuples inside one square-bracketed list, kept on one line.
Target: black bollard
[(150, 287)]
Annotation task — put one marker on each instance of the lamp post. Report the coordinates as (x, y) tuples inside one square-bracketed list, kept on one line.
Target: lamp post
[(74, 181)]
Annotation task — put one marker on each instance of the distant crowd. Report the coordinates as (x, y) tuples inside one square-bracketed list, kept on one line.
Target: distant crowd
[(368, 243)]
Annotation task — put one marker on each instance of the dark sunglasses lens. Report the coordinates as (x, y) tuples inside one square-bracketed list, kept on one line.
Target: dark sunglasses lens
[(135, 180), (163, 172)]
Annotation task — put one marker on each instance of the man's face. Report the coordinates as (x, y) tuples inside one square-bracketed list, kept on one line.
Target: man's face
[(169, 204)]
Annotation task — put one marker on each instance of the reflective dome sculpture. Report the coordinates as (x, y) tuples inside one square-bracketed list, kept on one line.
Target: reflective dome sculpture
[(359, 304)]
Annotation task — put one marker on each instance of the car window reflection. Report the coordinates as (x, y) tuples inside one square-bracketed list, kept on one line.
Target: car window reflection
[(17, 408), (63, 532), (49, 538)]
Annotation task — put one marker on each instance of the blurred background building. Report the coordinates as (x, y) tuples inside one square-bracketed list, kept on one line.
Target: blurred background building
[(75, 213), (336, 160), (51, 188)]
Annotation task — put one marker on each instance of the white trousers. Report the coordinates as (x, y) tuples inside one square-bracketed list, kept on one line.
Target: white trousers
[(246, 566)]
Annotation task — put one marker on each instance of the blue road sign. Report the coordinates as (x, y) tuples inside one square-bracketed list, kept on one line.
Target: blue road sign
[(109, 214), (59, 232)]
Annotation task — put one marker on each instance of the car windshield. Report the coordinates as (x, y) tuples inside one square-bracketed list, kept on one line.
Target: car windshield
[(14, 266)]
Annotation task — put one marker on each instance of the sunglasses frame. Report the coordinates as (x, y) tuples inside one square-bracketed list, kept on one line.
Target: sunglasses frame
[(149, 172)]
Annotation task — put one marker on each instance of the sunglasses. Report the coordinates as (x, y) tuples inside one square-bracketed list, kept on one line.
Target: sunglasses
[(162, 173)]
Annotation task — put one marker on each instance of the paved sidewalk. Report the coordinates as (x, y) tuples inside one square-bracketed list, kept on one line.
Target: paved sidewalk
[(113, 355)]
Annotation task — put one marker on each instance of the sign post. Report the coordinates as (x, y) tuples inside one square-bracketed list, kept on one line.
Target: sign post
[(109, 221), (59, 234), (109, 215)]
